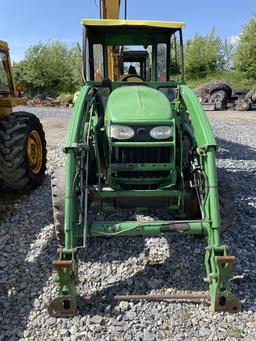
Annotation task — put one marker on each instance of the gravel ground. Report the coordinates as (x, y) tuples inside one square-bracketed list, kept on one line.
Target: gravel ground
[(124, 265), (46, 112)]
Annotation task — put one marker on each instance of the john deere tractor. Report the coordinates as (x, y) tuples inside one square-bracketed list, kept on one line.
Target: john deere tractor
[(140, 142), (22, 139)]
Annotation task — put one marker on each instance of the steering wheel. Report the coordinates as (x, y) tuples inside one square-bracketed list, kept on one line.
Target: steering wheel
[(127, 77)]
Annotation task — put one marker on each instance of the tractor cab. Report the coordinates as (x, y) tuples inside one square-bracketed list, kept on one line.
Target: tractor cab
[(122, 49)]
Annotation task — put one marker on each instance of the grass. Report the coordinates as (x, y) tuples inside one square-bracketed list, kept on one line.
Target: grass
[(236, 79)]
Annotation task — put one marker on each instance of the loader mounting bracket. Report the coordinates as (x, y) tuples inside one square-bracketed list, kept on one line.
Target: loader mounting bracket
[(224, 300), (65, 305)]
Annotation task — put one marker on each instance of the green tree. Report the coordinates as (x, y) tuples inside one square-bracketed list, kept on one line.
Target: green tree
[(203, 55), (228, 53), (244, 59), (75, 62), (49, 68)]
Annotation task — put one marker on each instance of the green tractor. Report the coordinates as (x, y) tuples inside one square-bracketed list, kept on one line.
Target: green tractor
[(140, 142)]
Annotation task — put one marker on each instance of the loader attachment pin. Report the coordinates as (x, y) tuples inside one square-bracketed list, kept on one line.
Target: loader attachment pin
[(149, 297)]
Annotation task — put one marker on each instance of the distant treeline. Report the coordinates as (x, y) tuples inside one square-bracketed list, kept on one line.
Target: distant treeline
[(52, 68)]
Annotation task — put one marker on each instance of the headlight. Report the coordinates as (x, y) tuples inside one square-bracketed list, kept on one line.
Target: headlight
[(161, 132), (121, 132)]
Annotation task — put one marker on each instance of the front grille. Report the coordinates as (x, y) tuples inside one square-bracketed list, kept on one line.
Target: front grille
[(143, 174), (141, 155), (127, 155)]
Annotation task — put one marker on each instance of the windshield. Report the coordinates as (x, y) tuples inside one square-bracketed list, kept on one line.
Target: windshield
[(4, 84), (127, 60), (152, 56)]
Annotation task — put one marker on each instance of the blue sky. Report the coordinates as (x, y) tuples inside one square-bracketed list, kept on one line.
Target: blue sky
[(24, 23)]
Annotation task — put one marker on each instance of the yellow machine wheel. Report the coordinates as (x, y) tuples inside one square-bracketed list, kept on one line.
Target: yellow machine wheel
[(35, 152), (22, 151)]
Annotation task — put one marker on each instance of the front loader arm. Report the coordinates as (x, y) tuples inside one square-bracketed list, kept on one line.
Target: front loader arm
[(217, 262), (75, 133), (66, 265)]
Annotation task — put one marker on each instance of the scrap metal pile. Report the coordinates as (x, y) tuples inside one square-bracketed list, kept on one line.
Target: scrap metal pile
[(218, 95), (63, 100), (42, 101)]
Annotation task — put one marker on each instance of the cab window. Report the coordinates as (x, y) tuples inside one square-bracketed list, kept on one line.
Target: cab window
[(4, 85), (98, 68), (162, 62)]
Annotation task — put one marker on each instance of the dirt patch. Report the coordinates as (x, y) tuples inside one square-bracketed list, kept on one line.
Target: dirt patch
[(55, 129)]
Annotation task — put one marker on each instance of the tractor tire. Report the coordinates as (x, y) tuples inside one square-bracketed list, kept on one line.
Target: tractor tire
[(220, 86), (219, 98), (226, 200), (240, 92), (242, 104), (58, 181), (22, 151)]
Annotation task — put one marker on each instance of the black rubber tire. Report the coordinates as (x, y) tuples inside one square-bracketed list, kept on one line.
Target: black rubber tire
[(58, 181), (220, 86), (242, 104), (219, 98), (14, 166), (240, 92), (191, 205), (226, 200)]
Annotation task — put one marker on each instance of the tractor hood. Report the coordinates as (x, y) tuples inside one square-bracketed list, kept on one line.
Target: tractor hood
[(131, 104)]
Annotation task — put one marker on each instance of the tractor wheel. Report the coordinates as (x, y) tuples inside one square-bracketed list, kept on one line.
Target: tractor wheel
[(58, 186), (226, 200), (219, 98), (220, 86), (58, 181), (22, 151)]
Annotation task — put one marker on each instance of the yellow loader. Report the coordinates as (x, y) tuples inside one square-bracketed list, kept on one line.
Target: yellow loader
[(22, 139)]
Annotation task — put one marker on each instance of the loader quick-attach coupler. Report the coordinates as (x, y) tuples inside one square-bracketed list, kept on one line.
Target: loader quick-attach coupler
[(219, 276), (65, 305)]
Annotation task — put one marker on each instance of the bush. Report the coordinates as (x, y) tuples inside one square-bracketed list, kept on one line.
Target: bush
[(50, 69), (203, 55), (244, 59)]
